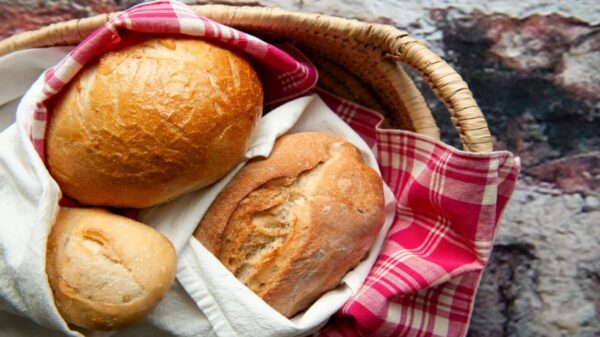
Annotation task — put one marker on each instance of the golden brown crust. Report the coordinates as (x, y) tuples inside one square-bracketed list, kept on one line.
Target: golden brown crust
[(106, 271), (155, 119), (292, 225)]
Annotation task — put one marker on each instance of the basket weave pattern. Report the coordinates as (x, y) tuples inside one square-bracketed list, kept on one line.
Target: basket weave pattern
[(358, 61)]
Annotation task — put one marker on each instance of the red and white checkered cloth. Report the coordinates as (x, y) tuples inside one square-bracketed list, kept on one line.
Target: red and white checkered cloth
[(282, 76), (449, 201)]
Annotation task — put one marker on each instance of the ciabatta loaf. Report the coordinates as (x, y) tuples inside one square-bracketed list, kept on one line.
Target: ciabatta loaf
[(292, 225)]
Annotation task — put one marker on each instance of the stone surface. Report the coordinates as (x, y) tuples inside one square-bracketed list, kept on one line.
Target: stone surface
[(526, 76), (24, 15), (543, 278), (578, 173), (534, 68)]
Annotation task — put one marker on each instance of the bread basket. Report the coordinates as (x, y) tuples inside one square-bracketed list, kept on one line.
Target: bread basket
[(358, 61)]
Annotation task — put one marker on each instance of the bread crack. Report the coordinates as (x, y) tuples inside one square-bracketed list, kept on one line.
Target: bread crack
[(264, 221), (110, 271)]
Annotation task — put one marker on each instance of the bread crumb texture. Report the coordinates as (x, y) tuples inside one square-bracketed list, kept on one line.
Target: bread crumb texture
[(106, 271), (292, 225), (152, 120)]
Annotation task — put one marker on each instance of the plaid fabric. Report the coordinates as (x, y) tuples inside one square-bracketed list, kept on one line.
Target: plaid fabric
[(449, 204), (449, 201), (283, 77)]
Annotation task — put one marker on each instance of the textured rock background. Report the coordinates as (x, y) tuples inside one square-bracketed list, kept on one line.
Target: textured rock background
[(534, 68)]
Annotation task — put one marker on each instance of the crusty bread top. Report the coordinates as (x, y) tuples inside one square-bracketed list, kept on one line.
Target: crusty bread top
[(152, 120), (106, 271), (291, 226)]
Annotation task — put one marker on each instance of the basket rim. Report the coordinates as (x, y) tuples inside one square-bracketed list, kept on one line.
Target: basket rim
[(391, 44)]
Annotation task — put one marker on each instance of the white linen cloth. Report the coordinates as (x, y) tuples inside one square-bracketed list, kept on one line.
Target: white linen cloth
[(206, 300)]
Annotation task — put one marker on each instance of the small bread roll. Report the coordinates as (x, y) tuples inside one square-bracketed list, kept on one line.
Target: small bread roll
[(153, 120), (292, 225), (106, 271)]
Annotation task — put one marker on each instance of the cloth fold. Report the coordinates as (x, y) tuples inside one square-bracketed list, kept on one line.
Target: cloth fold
[(230, 307), (282, 76), (449, 206)]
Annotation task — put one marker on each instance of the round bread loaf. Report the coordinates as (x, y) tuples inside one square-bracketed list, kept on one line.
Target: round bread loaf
[(152, 120), (106, 271), (292, 225)]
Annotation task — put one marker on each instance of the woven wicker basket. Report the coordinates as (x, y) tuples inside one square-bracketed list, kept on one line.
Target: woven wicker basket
[(358, 61)]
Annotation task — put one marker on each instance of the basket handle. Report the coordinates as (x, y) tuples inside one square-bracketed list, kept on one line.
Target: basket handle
[(445, 82), (449, 87)]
